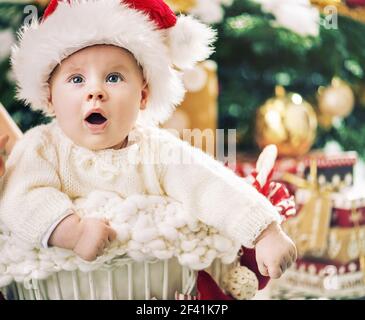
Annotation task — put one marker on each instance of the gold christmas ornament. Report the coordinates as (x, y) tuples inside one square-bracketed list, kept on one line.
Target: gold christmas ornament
[(181, 5), (325, 120), (337, 100), (199, 110), (241, 283), (287, 121)]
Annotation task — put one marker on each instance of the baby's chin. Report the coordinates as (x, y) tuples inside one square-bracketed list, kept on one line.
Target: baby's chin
[(97, 143), (104, 146)]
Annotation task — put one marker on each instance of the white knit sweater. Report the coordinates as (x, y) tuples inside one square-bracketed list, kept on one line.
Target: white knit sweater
[(46, 172)]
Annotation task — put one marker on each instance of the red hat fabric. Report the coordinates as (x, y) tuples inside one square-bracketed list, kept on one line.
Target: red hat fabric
[(158, 11)]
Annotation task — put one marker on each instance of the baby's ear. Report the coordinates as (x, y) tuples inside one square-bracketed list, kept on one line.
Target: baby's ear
[(50, 108), (144, 95)]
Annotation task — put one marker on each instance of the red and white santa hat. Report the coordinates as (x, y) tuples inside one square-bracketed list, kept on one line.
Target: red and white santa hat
[(149, 29)]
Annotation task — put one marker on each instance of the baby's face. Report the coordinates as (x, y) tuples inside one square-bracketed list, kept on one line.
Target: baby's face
[(96, 95)]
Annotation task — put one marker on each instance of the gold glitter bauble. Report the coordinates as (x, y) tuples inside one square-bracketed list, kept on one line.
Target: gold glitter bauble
[(287, 121), (337, 100), (325, 121), (181, 5)]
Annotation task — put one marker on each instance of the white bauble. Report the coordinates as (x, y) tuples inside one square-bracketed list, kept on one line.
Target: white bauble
[(337, 100)]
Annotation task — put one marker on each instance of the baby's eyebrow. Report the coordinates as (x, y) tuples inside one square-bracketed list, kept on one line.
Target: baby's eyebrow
[(119, 67), (72, 68)]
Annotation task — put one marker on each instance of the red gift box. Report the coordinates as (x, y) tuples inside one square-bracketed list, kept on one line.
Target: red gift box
[(334, 170), (342, 205)]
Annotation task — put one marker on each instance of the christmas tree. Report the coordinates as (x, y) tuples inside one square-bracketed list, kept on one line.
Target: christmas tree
[(302, 47), (12, 15)]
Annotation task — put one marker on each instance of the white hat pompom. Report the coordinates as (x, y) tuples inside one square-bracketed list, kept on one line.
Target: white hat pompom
[(190, 41)]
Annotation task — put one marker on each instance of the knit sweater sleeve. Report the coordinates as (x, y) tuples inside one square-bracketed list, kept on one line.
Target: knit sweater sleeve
[(31, 199), (213, 193)]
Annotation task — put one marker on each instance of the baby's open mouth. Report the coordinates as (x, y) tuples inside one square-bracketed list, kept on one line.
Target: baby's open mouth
[(96, 118)]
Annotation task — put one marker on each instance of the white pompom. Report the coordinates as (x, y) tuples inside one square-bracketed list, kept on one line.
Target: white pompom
[(144, 235), (221, 244), (208, 241), (122, 230), (168, 232), (136, 255), (188, 259), (189, 245), (163, 254), (230, 256), (211, 254), (157, 244), (190, 42), (142, 222), (128, 210), (199, 251), (134, 245)]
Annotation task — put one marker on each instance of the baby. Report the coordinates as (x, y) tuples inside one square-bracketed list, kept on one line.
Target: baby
[(105, 70)]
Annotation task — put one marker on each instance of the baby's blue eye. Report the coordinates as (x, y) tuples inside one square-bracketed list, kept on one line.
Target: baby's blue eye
[(76, 79), (114, 78)]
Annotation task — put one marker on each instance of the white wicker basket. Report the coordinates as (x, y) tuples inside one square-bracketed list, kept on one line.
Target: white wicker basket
[(121, 279)]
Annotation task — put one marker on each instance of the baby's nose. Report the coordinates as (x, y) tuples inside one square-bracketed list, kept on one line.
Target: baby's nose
[(96, 94)]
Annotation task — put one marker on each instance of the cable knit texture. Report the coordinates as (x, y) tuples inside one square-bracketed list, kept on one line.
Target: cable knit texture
[(47, 174)]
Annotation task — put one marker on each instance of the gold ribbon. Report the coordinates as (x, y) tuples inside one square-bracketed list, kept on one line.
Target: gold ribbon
[(310, 229)]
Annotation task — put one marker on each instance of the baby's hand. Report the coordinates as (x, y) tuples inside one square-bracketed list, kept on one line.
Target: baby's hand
[(3, 140), (275, 251), (95, 236), (87, 237)]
